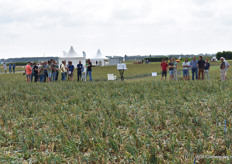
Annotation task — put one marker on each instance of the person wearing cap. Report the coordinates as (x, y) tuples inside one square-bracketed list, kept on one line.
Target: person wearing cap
[(28, 71)]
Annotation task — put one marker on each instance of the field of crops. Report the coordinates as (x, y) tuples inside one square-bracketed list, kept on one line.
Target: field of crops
[(136, 121)]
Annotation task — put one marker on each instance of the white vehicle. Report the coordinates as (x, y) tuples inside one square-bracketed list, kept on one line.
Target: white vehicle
[(214, 59)]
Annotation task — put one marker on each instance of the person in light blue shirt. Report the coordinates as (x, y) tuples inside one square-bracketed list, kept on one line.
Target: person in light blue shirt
[(194, 66), (10, 68), (207, 67)]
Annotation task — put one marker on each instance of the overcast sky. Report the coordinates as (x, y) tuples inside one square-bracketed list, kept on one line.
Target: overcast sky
[(117, 27)]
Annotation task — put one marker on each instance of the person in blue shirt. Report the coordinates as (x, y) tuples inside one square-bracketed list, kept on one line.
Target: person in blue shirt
[(10, 68), (13, 68), (70, 71), (207, 66), (79, 70), (194, 66)]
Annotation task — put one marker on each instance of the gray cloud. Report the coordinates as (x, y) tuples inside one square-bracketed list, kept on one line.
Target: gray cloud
[(116, 26)]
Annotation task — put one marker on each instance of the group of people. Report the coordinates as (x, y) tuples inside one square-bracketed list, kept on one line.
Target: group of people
[(200, 68), (10, 67), (172, 66), (49, 71)]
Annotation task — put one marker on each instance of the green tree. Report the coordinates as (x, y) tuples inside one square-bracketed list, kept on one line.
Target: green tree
[(226, 54)]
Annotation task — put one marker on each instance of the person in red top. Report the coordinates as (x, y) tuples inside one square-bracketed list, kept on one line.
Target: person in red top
[(164, 67), (28, 71)]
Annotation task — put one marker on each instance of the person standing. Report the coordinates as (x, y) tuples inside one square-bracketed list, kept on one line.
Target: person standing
[(57, 71), (5, 67), (10, 68), (194, 66), (14, 68), (188, 69), (70, 72), (53, 70), (222, 69), (45, 71), (32, 74), (164, 66), (28, 71), (89, 69), (49, 70), (185, 66), (175, 69), (171, 70), (207, 67), (79, 70), (201, 67), (227, 65), (35, 70), (63, 71), (41, 72)]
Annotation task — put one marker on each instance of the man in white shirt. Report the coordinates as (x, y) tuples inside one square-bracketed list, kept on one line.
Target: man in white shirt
[(185, 66), (227, 65), (5, 67)]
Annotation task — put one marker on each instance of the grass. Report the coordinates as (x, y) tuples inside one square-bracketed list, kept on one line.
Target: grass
[(140, 120)]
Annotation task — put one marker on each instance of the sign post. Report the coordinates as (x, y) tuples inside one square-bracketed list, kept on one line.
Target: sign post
[(121, 67)]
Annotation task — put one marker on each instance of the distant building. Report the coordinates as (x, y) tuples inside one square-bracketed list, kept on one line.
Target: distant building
[(114, 61)]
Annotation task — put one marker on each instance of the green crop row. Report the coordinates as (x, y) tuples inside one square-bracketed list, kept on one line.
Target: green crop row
[(114, 122)]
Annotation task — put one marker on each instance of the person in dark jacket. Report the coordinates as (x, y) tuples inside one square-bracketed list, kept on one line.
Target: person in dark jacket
[(79, 70), (89, 69), (201, 67)]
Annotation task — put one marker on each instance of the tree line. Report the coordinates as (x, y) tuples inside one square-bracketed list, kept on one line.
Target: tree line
[(226, 54)]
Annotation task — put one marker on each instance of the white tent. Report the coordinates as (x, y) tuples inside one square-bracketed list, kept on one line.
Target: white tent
[(72, 56), (98, 59)]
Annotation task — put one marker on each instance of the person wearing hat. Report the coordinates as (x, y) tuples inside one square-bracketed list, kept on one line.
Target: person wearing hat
[(28, 71)]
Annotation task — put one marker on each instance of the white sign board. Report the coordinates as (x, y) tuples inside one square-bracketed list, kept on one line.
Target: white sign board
[(121, 66), (154, 73)]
